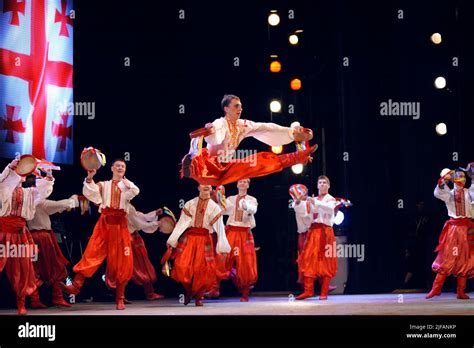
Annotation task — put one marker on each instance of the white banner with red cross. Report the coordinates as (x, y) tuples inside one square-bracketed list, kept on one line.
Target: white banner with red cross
[(36, 69)]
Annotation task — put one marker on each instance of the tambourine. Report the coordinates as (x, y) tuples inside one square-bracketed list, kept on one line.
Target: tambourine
[(445, 172), (84, 204), (166, 269), (27, 164), (298, 191), (166, 262), (202, 132), (218, 196), (167, 221), (92, 159), (302, 134)]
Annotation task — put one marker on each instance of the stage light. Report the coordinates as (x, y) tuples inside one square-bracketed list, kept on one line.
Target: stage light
[(275, 106), (339, 218), (293, 39), (103, 278), (273, 19), (440, 82), (295, 84), (277, 149), (441, 128), (436, 38), (297, 169), (275, 66)]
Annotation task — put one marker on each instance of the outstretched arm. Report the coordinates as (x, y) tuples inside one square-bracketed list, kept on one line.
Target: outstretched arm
[(52, 207), (249, 205), (148, 223), (269, 133), (44, 188)]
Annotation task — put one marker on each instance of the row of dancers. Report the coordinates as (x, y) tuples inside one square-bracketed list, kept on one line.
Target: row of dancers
[(201, 249), (204, 251)]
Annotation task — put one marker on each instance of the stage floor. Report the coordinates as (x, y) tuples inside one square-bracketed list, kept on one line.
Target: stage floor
[(279, 304)]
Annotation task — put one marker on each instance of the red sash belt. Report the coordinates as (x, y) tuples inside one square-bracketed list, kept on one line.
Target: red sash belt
[(36, 231), (237, 228), (114, 216), (197, 231), (12, 224), (318, 225), (16, 224)]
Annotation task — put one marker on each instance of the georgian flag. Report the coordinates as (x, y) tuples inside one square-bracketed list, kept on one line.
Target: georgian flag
[(36, 60)]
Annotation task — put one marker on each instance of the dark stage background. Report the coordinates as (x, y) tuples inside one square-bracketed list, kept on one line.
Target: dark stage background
[(190, 62)]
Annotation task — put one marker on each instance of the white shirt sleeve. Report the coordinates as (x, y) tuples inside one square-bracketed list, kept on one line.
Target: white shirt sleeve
[(301, 209), (148, 222), (52, 207), (44, 188), (223, 245), (183, 223), (328, 206), (471, 191), (303, 217), (229, 207), (251, 204), (151, 216), (6, 173), (9, 180), (269, 133), (149, 226), (129, 193), (91, 191), (442, 193), (219, 132)]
